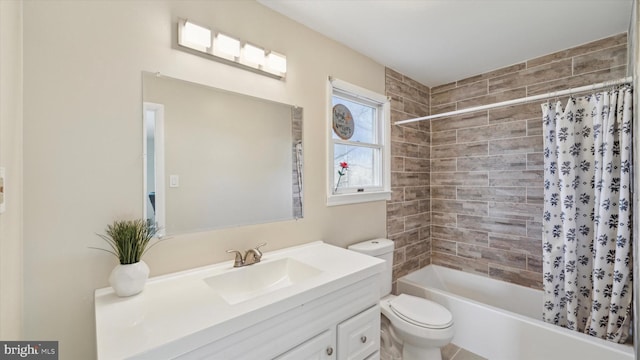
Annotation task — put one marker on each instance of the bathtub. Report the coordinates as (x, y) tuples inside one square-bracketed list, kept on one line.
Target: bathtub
[(500, 321)]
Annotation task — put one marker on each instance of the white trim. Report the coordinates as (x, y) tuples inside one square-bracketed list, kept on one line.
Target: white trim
[(160, 198), (329, 140), (521, 100), (378, 193), (386, 151), (356, 198), (377, 146), (144, 161), (357, 91)]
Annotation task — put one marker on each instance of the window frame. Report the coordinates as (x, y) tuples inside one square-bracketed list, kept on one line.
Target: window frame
[(383, 131)]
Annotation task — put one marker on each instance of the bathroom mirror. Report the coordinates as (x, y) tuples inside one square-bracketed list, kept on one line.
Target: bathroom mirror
[(216, 159)]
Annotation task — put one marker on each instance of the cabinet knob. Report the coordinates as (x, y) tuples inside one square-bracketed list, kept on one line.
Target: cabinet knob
[(329, 351), (363, 339)]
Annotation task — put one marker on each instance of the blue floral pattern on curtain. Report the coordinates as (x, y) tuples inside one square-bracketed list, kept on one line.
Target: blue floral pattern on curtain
[(587, 220)]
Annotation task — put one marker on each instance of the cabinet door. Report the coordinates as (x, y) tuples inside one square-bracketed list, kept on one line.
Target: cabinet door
[(319, 347), (374, 356), (359, 336)]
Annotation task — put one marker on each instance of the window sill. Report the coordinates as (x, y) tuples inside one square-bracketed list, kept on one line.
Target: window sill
[(356, 198)]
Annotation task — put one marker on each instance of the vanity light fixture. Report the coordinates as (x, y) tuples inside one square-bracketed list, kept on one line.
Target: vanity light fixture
[(226, 47), (194, 36), (252, 55), (276, 63), (229, 50)]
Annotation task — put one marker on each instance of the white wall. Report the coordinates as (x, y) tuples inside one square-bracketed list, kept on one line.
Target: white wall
[(11, 158), (83, 143)]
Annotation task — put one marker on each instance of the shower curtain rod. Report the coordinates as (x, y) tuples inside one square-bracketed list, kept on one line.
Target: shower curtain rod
[(521, 100)]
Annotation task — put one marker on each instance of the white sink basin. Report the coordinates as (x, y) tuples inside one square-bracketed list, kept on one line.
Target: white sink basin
[(182, 311), (248, 282)]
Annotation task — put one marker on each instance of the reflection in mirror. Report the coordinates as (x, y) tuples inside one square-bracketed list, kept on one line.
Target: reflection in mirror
[(218, 159)]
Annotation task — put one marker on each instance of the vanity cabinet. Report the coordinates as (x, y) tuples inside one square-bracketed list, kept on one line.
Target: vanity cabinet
[(320, 347), (341, 325), (324, 306), (358, 338)]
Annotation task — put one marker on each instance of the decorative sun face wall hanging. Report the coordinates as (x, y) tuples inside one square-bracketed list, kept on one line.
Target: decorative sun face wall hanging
[(343, 124)]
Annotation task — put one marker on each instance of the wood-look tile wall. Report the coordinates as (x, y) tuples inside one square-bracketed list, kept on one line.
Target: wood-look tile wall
[(486, 167), (408, 212), (467, 189)]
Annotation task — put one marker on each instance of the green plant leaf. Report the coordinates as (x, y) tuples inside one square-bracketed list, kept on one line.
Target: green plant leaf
[(129, 239)]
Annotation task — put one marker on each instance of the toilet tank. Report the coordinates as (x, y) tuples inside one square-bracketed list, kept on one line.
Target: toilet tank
[(382, 249)]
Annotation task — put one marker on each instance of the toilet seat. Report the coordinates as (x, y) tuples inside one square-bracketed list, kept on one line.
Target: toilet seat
[(421, 312)]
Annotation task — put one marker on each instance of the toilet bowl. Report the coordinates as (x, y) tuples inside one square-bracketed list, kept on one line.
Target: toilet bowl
[(420, 326)]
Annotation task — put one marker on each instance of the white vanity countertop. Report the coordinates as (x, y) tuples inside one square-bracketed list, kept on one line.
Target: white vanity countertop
[(180, 309)]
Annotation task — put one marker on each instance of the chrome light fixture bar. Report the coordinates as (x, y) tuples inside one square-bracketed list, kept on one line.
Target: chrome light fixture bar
[(227, 49)]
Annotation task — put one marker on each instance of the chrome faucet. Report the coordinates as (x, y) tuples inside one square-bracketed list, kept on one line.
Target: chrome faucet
[(250, 257)]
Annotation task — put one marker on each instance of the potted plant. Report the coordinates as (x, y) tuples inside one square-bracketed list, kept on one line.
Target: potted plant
[(129, 240)]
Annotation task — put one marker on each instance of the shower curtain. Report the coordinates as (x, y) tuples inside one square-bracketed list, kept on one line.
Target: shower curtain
[(587, 255)]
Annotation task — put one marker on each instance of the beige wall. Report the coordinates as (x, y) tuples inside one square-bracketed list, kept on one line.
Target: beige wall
[(11, 158), (83, 142)]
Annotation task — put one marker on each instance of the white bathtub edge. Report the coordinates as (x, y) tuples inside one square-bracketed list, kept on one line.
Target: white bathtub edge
[(523, 331)]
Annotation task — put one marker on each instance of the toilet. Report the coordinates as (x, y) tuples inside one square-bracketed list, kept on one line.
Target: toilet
[(420, 326)]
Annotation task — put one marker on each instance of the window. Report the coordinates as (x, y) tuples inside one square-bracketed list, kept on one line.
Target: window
[(359, 160)]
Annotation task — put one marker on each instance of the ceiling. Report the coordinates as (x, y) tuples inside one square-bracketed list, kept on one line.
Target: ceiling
[(439, 41)]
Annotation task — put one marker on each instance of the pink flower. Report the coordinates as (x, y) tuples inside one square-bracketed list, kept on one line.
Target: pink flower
[(343, 170)]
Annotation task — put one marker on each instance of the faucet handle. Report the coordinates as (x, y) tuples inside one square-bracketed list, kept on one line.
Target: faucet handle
[(239, 261), (257, 248)]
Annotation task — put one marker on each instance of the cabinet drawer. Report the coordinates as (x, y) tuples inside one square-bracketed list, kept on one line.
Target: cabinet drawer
[(374, 356), (320, 347), (359, 336)]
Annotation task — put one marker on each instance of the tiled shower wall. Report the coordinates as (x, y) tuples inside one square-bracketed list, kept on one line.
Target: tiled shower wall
[(486, 170), (408, 212)]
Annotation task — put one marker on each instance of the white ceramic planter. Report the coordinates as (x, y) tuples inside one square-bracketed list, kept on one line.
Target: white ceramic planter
[(128, 280)]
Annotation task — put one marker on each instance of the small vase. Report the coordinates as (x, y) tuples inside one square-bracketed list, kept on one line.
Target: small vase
[(129, 279)]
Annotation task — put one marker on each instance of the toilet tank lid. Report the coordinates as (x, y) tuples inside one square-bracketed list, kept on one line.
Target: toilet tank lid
[(373, 247)]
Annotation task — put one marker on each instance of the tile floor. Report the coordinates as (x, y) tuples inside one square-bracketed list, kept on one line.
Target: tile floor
[(452, 352)]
